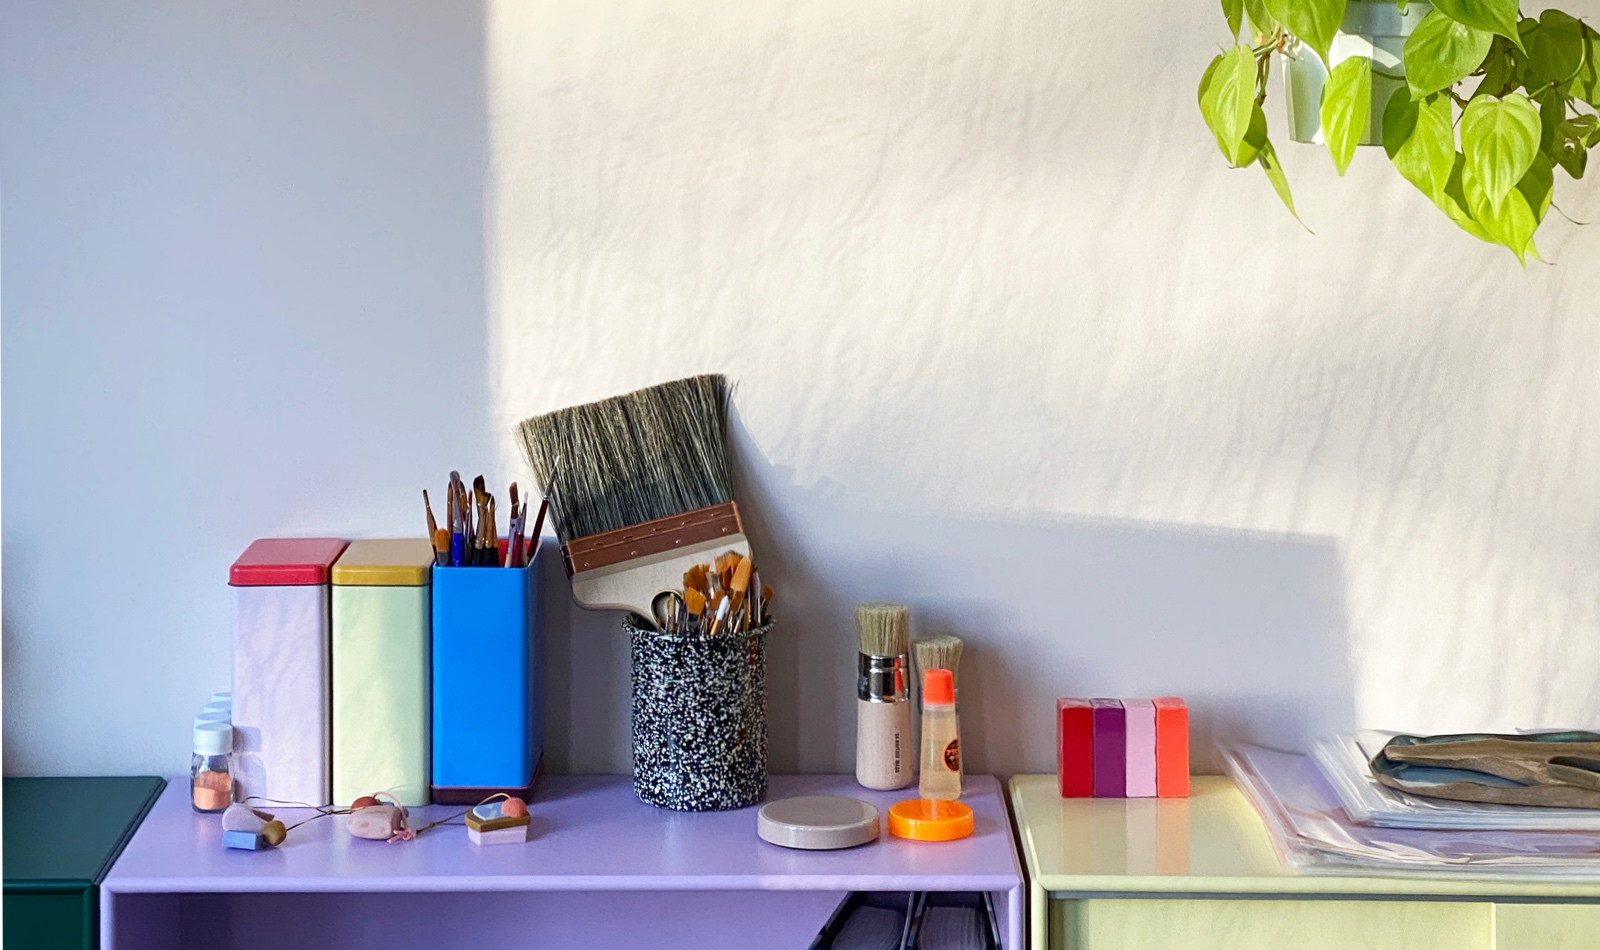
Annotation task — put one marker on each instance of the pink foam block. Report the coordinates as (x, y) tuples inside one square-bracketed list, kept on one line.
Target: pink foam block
[(1141, 748)]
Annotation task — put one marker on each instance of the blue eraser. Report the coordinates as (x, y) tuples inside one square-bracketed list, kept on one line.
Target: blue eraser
[(244, 840)]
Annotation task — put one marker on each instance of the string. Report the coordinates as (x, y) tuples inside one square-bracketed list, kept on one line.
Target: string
[(404, 833)]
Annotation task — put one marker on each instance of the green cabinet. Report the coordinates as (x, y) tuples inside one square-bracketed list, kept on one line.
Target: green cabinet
[(61, 836), (1200, 873)]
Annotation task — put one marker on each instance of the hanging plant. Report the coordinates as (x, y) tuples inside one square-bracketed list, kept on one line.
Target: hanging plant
[(1475, 105)]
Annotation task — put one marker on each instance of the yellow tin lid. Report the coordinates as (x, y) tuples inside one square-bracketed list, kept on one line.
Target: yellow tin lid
[(387, 562), (930, 819)]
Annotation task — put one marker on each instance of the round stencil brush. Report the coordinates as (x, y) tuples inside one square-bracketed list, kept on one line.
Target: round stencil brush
[(883, 697), (938, 653)]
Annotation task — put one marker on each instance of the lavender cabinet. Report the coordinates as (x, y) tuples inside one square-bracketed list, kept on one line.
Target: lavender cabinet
[(602, 870)]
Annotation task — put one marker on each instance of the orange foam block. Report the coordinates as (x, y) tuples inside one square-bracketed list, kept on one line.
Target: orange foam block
[(1172, 748)]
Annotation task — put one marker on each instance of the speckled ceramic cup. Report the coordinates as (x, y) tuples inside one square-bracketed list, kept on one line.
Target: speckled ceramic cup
[(699, 717)]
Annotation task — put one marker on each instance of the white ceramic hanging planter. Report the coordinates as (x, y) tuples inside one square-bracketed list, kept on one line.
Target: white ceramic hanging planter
[(1372, 28)]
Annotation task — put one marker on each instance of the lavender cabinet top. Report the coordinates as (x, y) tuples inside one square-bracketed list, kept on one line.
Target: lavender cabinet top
[(589, 834)]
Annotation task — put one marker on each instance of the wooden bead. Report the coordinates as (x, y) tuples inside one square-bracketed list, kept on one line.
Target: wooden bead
[(513, 807), (274, 832)]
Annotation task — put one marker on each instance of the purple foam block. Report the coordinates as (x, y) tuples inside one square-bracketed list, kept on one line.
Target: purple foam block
[(1110, 748)]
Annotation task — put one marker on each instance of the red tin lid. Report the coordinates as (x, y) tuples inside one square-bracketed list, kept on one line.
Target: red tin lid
[(284, 561)]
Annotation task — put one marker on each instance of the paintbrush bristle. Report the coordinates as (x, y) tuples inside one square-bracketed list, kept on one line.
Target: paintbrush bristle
[(629, 459), (937, 653), (884, 628)]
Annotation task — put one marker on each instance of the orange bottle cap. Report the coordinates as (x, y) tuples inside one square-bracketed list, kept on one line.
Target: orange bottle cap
[(930, 819), (938, 686)]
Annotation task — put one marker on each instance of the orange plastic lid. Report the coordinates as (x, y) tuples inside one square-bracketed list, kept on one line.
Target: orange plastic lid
[(928, 819)]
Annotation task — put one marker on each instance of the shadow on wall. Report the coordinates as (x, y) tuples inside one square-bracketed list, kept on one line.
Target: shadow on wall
[(1249, 628)]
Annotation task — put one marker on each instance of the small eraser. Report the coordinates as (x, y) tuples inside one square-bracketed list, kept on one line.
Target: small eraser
[(491, 816), (1075, 748), (1141, 747), (1110, 748), (244, 840), (516, 834), (1172, 748)]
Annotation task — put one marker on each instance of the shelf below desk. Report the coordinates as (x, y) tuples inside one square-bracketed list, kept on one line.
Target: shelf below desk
[(602, 870)]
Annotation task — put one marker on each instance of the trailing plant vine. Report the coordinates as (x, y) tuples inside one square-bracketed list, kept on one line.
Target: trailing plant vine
[(1493, 103)]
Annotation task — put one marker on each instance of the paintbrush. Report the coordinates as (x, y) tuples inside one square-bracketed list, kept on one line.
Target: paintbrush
[(491, 545), (522, 533), (937, 653), (644, 490), (458, 533), (433, 529), (513, 526), (883, 702)]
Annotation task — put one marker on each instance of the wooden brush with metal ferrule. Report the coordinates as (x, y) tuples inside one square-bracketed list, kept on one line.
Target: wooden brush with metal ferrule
[(640, 489), (884, 754)]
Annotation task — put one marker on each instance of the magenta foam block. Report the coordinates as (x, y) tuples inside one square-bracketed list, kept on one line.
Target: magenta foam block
[(1110, 748)]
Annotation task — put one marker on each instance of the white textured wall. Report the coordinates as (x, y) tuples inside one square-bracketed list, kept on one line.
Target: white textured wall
[(243, 297), (1013, 345)]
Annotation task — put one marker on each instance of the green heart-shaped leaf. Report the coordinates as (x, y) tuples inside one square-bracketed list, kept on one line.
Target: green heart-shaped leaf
[(1227, 97), (1572, 157), (1496, 16), (1420, 137), (1347, 109), (1552, 110), (1261, 22), (1234, 11), (1510, 221), (1280, 182), (1499, 138), (1502, 69), (1582, 128), (1555, 49), (1569, 139), (1314, 22), (1441, 52), (1453, 202), (1537, 187)]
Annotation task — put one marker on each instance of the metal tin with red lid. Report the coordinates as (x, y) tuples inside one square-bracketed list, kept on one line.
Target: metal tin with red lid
[(281, 668), (281, 562)]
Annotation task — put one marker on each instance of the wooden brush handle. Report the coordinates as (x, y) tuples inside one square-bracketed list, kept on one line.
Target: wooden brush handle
[(884, 754)]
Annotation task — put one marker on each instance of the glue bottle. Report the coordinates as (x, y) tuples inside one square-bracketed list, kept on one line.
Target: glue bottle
[(941, 739)]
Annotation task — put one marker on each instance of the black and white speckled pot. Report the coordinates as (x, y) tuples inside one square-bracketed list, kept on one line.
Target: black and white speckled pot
[(699, 718)]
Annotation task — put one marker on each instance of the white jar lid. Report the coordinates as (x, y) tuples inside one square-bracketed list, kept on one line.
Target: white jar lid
[(225, 697), (221, 717), (818, 822), (213, 738)]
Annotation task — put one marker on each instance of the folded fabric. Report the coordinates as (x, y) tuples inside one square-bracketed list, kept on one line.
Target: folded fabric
[(1551, 770)]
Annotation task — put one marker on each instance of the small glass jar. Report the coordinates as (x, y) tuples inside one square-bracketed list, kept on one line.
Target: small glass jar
[(211, 769)]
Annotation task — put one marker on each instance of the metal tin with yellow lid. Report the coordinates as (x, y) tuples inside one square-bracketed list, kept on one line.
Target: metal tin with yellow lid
[(385, 562), (382, 599)]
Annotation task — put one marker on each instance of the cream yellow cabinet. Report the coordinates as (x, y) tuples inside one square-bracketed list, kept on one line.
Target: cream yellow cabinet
[(1200, 874)]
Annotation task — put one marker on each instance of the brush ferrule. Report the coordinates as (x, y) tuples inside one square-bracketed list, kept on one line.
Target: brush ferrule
[(595, 551), (882, 679)]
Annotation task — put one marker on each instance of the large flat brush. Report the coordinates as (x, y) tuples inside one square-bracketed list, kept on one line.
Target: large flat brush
[(640, 489)]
